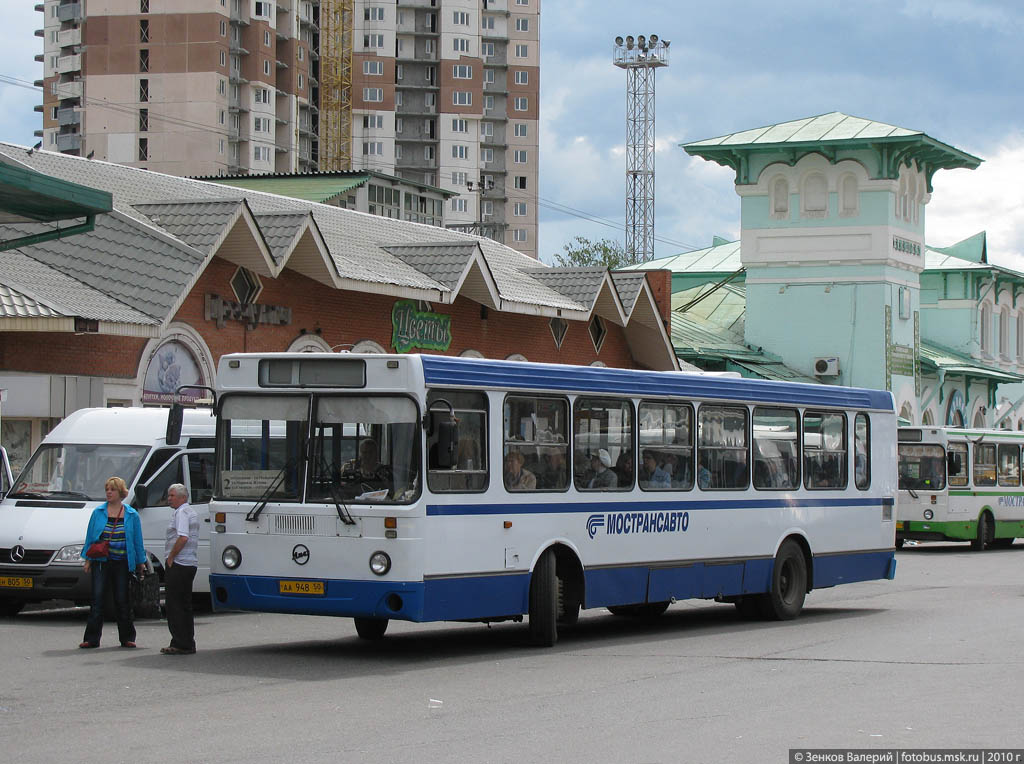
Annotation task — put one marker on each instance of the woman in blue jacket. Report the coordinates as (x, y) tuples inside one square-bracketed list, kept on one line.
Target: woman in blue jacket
[(119, 524)]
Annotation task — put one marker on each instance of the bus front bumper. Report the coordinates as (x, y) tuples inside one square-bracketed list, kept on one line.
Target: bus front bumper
[(401, 600), (926, 530)]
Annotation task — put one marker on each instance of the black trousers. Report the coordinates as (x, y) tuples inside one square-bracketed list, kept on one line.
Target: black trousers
[(110, 575), (178, 603)]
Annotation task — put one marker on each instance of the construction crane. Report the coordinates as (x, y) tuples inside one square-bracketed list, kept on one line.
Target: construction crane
[(336, 22)]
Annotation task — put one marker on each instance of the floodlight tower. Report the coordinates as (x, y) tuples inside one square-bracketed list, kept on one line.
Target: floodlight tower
[(640, 58)]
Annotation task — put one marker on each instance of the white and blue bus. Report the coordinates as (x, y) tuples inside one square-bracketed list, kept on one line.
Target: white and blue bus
[(432, 488)]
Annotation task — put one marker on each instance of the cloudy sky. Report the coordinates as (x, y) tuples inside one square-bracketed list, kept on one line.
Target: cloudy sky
[(951, 68)]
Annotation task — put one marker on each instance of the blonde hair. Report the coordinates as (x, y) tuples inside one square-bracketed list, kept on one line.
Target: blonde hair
[(119, 485)]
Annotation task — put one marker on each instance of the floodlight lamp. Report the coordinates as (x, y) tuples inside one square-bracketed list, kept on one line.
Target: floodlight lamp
[(641, 41), (654, 39), (629, 42), (618, 40), (666, 43)]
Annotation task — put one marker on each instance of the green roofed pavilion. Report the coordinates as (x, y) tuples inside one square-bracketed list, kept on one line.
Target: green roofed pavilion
[(833, 135)]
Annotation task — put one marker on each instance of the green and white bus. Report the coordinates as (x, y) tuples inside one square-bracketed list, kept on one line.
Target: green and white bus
[(960, 485)]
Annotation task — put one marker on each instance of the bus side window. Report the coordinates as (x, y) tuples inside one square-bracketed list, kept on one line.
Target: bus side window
[(603, 444), (469, 472), (722, 447), (958, 466), (1009, 464), (825, 450), (862, 452), (985, 464), (535, 443)]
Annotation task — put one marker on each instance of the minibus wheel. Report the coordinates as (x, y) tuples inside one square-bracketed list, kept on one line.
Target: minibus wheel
[(544, 601), (986, 532), (371, 628), (789, 583)]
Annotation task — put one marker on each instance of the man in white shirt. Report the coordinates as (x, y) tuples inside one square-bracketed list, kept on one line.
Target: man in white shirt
[(181, 549)]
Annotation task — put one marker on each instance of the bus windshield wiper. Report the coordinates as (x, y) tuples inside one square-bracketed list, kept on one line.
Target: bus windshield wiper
[(261, 503), (25, 495), (912, 492), (339, 504), (71, 494)]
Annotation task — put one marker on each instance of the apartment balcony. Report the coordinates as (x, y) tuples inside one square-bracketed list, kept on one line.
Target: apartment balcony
[(62, 90), (70, 12), (40, 8), (69, 117), (69, 37), (236, 48), (39, 58), (69, 64), (69, 142)]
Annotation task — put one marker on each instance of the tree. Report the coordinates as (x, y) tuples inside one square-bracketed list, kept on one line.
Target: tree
[(581, 252)]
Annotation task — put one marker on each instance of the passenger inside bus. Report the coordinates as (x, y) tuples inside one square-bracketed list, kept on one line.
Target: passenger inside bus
[(517, 478), (367, 468)]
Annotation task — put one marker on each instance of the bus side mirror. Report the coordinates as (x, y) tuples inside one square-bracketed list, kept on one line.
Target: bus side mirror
[(175, 417), (141, 496), (447, 440), (955, 464)]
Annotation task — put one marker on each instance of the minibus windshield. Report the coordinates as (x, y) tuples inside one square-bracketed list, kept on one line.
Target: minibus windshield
[(76, 471)]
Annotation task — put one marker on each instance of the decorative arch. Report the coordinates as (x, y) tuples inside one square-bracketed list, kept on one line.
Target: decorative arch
[(907, 412), (471, 353), (516, 357), (179, 357), (927, 418), (309, 343), (368, 346), (979, 419), (985, 321), (814, 196), (779, 197), (955, 414), (849, 197)]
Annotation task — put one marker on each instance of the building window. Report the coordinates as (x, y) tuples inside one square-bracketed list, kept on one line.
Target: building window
[(144, 120), (373, 41), (144, 30), (428, 152), (520, 103), (522, 77), (261, 95), (398, 151), (143, 6), (302, 53), (266, 67), (488, 103), (780, 198), (519, 234), (522, 51), (371, 121), (399, 125), (487, 22), (223, 58), (143, 59), (986, 329), (848, 198), (462, 98), (460, 44), (144, 90), (814, 196), (373, 94), (375, 13), (266, 38), (261, 153), (559, 328), (374, 68), (460, 18), (374, 148), (458, 125), (399, 98), (487, 49), (264, 10), (143, 149), (462, 72), (522, 2), (1004, 332), (458, 178), (519, 181), (488, 76), (428, 47), (522, 25), (487, 155), (221, 87), (460, 151), (222, 116), (460, 205), (519, 130), (430, 100), (519, 209), (1020, 336), (486, 208), (486, 129), (519, 156)]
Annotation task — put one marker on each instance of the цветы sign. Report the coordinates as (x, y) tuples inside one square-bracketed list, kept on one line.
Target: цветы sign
[(411, 328)]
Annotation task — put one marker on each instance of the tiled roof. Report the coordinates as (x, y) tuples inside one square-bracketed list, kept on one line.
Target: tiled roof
[(15, 304), (280, 231), (444, 263), (198, 224), (581, 285), (120, 258), (58, 293), (629, 286), (310, 188)]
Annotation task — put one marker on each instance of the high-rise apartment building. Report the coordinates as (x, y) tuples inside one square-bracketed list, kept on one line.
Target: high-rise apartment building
[(441, 92)]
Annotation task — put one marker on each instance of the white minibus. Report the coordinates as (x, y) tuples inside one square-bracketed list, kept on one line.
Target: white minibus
[(44, 516)]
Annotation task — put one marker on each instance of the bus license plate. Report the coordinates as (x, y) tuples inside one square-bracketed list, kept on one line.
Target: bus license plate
[(302, 587), (16, 582)]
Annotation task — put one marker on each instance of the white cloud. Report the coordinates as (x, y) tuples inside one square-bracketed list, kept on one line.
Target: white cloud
[(965, 202)]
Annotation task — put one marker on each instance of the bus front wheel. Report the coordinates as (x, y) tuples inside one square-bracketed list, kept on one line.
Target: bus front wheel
[(544, 601), (986, 532), (789, 584), (10, 607), (371, 628)]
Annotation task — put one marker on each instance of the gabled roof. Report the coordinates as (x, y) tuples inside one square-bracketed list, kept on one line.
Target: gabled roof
[(938, 358), (322, 187), (198, 224), (828, 134)]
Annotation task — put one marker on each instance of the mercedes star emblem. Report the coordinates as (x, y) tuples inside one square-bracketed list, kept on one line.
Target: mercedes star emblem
[(17, 553)]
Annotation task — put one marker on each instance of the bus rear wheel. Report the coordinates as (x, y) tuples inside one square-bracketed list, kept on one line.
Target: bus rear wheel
[(789, 584), (986, 532), (544, 601), (371, 628)]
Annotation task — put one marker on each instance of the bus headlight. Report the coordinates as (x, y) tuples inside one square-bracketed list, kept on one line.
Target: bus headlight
[(928, 514), (71, 553), (380, 563), (231, 557)]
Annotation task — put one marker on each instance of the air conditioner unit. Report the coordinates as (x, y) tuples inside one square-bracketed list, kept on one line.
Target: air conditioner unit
[(826, 367)]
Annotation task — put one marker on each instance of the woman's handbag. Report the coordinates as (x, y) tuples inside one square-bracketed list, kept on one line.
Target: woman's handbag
[(101, 548)]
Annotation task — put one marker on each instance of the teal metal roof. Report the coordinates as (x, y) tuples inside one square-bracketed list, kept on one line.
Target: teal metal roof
[(936, 357), (828, 134), (719, 258)]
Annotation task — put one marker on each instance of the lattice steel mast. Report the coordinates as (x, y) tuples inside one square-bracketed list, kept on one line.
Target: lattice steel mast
[(640, 59), (336, 84)]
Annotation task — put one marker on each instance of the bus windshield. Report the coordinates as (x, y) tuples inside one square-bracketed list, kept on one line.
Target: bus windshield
[(362, 449), (922, 467), (76, 471)]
